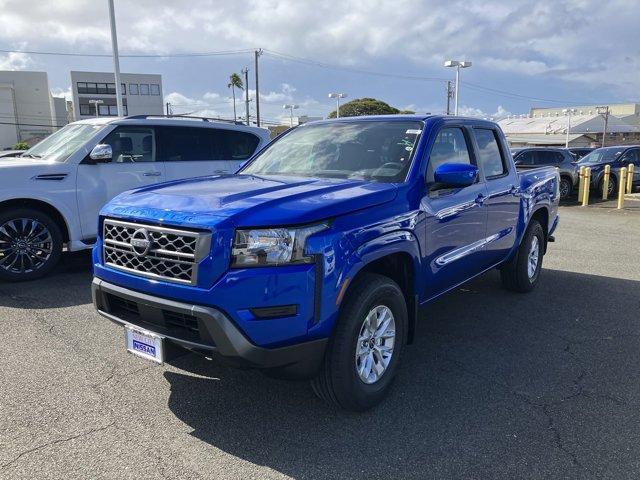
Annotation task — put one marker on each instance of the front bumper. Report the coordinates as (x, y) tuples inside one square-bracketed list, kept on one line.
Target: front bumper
[(202, 329)]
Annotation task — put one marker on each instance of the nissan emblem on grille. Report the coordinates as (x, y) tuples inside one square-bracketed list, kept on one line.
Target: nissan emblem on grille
[(141, 242), (166, 253)]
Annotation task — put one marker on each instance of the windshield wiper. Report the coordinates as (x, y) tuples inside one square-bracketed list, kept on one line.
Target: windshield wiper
[(31, 155)]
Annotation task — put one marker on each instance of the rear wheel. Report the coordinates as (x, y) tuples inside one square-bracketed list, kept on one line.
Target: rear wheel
[(613, 185), (566, 188), (363, 355), (521, 273), (30, 244)]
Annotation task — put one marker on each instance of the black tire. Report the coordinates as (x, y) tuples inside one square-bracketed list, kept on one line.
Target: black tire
[(338, 382), (566, 188), (50, 248), (515, 274), (613, 185)]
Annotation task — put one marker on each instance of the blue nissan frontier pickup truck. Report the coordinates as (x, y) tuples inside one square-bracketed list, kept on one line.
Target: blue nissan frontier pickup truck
[(316, 259)]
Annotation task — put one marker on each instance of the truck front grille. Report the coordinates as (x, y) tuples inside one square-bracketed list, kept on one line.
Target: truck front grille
[(153, 251)]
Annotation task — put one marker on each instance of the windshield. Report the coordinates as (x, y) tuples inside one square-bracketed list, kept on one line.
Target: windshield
[(602, 155), (62, 144), (373, 150)]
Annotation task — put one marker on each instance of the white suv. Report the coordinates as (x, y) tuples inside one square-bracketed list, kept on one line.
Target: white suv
[(51, 195)]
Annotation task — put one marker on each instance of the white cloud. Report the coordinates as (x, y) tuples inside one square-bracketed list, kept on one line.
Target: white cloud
[(15, 61), (500, 112), (62, 93)]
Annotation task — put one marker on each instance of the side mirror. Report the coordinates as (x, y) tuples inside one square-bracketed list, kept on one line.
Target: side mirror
[(455, 175), (101, 153)]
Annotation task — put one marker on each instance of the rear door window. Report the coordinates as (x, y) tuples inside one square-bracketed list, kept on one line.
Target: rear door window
[(524, 158), (543, 157), (185, 144), (489, 153), (234, 145)]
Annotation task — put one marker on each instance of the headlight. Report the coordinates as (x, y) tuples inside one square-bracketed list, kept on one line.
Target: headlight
[(272, 246)]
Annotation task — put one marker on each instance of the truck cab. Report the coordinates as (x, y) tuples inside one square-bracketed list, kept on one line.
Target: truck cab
[(315, 259)]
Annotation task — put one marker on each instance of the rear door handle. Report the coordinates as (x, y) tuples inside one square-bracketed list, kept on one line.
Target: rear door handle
[(152, 174), (480, 199)]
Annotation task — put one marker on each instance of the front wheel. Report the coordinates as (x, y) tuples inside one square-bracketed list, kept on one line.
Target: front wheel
[(363, 355), (611, 190), (522, 272), (30, 244)]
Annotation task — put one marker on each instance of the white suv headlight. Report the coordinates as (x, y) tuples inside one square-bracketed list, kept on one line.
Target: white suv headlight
[(272, 246)]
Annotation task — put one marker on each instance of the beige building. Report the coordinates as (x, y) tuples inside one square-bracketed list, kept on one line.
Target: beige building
[(28, 112)]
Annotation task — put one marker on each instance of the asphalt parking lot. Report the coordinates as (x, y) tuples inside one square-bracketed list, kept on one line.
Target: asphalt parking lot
[(497, 385)]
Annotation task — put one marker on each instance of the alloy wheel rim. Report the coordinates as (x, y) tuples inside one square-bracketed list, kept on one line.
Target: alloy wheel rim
[(534, 254), (25, 245), (374, 347), (564, 188)]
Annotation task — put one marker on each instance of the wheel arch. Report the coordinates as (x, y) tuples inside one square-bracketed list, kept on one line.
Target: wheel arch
[(397, 256), (42, 206)]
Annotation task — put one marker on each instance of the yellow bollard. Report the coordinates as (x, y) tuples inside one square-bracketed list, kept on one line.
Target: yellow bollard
[(581, 183), (587, 182), (621, 187), (605, 182), (629, 178)]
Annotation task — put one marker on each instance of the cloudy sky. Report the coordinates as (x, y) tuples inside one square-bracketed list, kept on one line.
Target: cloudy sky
[(524, 53)]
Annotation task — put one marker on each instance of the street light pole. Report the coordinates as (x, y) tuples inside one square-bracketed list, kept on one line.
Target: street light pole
[(96, 103), (568, 112), (291, 107), (116, 60), (245, 70), (337, 96), (604, 112), (257, 54), (458, 65)]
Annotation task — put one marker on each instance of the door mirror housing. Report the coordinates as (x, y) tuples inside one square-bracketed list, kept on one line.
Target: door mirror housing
[(455, 175), (101, 153)]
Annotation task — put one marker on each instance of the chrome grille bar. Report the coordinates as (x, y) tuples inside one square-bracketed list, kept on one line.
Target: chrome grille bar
[(165, 253)]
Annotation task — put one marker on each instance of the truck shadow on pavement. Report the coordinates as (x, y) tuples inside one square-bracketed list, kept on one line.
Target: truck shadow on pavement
[(69, 284), (496, 385)]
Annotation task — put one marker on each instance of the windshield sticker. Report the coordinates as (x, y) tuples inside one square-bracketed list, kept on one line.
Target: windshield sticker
[(413, 131)]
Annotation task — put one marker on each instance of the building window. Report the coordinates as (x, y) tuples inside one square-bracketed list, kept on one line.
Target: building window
[(144, 89), (85, 109), (103, 110), (155, 89), (102, 88), (133, 89), (82, 87)]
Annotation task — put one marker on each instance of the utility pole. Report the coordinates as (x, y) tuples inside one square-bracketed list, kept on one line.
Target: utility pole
[(257, 54), (116, 60), (449, 96), (245, 70), (604, 113)]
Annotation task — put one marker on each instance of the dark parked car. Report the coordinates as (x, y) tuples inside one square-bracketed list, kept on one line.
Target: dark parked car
[(534, 157), (579, 152), (618, 157)]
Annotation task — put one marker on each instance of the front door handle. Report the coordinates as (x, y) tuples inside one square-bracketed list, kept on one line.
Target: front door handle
[(513, 190), (152, 174)]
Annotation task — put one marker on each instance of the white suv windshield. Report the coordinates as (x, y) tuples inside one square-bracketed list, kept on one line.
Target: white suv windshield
[(62, 144), (377, 150)]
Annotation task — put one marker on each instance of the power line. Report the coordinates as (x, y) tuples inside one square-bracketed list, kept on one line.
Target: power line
[(132, 55), (504, 93), (317, 63)]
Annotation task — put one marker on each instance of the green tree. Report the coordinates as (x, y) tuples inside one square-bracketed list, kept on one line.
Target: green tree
[(21, 146), (235, 82), (366, 106)]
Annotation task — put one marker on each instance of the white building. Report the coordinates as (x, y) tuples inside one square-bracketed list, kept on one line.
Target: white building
[(142, 94), (548, 127), (28, 112)]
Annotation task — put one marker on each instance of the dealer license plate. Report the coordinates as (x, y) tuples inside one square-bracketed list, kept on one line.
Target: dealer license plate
[(144, 344)]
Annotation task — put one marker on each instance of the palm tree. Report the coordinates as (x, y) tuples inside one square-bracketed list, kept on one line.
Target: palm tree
[(235, 82)]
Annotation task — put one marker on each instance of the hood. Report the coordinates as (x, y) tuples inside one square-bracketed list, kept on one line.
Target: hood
[(250, 201), (12, 162)]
